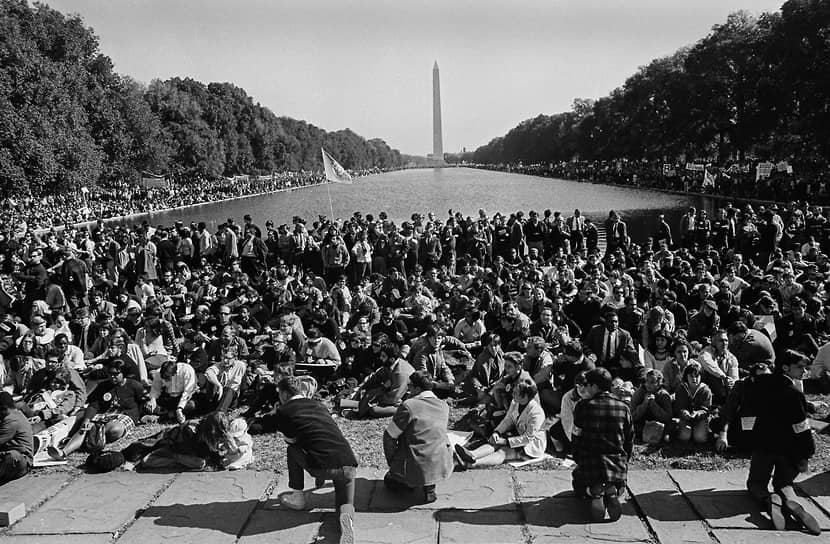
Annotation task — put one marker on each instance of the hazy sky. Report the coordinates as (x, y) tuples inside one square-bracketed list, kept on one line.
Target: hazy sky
[(367, 65)]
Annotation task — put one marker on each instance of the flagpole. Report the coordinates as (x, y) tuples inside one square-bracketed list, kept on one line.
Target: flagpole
[(331, 208)]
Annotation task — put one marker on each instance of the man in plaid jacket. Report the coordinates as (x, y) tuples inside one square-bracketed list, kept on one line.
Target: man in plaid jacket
[(603, 438)]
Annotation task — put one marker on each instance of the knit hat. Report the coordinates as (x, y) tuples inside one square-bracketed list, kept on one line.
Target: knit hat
[(105, 461)]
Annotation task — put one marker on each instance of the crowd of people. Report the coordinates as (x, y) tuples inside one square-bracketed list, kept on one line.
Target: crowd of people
[(117, 199), (706, 332), (782, 183)]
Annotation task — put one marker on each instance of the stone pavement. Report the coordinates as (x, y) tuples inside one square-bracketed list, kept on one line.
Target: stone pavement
[(486, 506)]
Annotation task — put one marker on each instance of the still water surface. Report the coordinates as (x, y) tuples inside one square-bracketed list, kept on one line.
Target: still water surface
[(402, 193)]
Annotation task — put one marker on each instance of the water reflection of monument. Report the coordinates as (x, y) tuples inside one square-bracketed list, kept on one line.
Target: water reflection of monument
[(437, 156)]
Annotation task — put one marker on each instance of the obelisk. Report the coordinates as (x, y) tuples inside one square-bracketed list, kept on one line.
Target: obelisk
[(437, 138)]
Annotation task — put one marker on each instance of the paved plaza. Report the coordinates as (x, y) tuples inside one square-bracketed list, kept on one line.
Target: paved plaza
[(480, 506)]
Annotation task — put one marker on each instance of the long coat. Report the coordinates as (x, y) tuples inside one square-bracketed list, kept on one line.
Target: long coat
[(603, 439), (525, 428), (415, 442)]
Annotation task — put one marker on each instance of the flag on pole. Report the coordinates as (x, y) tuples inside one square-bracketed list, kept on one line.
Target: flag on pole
[(708, 178), (84, 190), (334, 172)]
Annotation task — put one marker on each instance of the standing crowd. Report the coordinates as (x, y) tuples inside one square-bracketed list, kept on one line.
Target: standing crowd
[(706, 332)]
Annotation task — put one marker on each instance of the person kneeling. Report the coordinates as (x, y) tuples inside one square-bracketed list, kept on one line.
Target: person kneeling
[(603, 439), (415, 442), (522, 427), (316, 445)]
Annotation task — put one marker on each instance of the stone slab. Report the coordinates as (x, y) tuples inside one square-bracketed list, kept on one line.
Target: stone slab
[(470, 490), (34, 489), (78, 507), (722, 499), (283, 526), (669, 514), (817, 486), (568, 520), (755, 536), (411, 527), (548, 483), (203, 507), (58, 539), (322, 500), (479, 526)]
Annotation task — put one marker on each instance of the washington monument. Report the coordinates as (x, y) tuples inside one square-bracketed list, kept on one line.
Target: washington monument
[(437, 138)]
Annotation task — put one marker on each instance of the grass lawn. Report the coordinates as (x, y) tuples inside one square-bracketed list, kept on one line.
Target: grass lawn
[(365, 437)]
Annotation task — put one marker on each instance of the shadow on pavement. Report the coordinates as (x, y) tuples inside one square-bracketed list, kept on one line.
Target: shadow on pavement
[(817, 485), (711, 504), (222, 516)]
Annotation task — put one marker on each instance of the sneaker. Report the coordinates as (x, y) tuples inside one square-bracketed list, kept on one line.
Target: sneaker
[(347, 524), (56, 453), (464, 455), (294, 500), (776, 514), (612, 504), (597, 508), (799, 513)]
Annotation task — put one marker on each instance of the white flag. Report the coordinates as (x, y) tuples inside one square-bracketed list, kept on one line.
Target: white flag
[(708, 178), (334, 172), (84, 190)]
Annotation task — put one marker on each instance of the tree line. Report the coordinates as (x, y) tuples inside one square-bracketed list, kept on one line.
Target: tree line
[(753, 87), (67, 119)]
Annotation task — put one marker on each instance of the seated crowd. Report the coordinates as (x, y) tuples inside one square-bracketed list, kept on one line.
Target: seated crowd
[(521, 318)]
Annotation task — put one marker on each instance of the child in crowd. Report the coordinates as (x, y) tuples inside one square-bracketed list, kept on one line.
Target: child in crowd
[(692, 403), (651, 406)]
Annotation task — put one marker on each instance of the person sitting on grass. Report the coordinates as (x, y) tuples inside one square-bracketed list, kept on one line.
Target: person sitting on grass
[(692, 404), (382, 392), (561, 433), (603, 440), (115, 404), (487, 370), (782, 443), (651, 404), (171, 392), (502, 392), (523, 437), (52, 405), (415, 443), (317, 445), (16, 443), (214, 440)]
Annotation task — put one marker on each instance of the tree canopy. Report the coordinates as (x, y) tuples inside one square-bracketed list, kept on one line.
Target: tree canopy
[(754, 86), (67, 119)]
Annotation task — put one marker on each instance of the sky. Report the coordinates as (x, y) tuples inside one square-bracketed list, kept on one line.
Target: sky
[(367, 65)]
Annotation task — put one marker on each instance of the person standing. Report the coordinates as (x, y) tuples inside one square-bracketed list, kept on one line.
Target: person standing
[(782, 441), (415, 443), (316, 445), (603, 439)]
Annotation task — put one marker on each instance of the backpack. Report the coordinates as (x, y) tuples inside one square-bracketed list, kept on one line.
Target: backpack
[(96, 438)]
